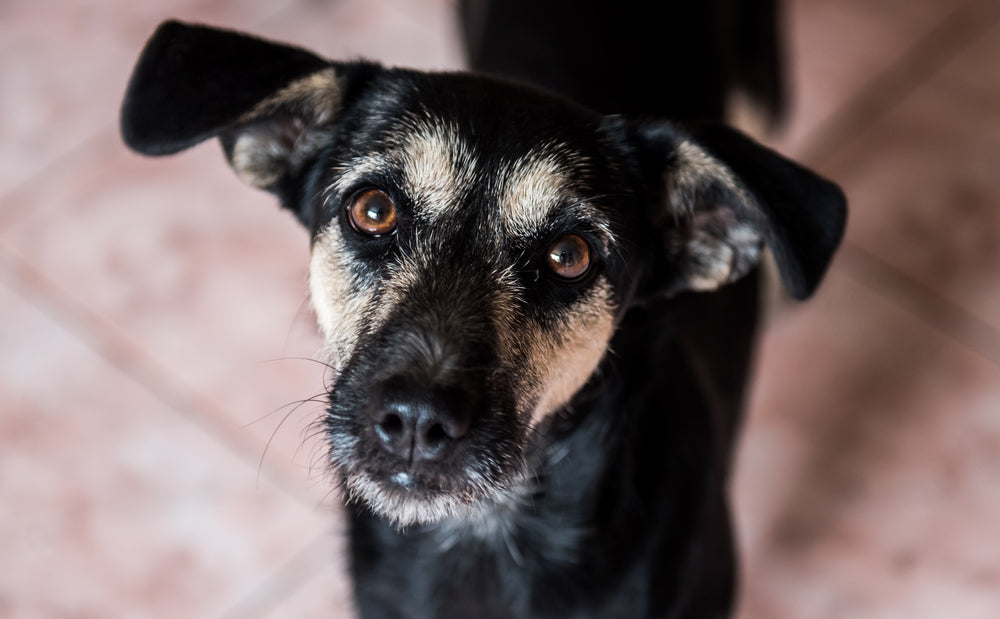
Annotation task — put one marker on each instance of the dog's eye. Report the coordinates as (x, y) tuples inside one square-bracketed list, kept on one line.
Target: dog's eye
[(569, 257), (372, 212)]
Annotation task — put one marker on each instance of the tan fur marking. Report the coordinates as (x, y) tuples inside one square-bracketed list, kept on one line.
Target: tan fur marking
[(339, 303), (535, 186), (539, 183), (402, 277), (317, 97), (437, 165), (694, 169), (566, 359)]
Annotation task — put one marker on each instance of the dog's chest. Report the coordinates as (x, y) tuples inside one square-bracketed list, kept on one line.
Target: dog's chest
[(510, 567)]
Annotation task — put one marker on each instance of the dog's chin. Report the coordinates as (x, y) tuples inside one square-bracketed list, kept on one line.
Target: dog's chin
[(405, 500)]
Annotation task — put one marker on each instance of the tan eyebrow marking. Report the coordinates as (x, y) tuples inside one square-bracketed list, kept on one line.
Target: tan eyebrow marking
[(436, 164), (535, 184), (541, 182)]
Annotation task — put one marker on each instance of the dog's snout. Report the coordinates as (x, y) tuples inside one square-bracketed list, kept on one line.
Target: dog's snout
[(417, 425)]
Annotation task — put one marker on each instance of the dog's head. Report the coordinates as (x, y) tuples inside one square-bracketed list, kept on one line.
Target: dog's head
[(474, 242)]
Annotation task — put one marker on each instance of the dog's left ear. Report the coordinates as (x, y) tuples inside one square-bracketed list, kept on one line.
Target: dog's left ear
[(272, 106), (723, 197)]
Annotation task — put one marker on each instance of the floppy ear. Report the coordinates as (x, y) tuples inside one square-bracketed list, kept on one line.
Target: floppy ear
[(724, 196), (271, 105)]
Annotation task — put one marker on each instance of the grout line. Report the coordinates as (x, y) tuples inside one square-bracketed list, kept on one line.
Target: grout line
[(9, 218), (286, 580), (925, 304), (925, 58), (121, 351)]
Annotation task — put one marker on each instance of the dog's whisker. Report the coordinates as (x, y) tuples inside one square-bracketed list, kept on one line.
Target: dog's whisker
[(295, 406), (298, 358), (312, 432), (318, 398)]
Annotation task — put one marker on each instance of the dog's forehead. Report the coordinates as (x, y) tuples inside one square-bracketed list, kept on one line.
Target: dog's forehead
[(445, 161)]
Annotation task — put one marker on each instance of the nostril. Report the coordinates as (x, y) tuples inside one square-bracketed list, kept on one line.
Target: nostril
[(394, 430), (391, 425), (436, 434), (432, 440)]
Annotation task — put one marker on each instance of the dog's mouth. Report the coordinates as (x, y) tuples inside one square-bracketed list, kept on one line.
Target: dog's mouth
[(414, 497), (410, 484), (407, 498)]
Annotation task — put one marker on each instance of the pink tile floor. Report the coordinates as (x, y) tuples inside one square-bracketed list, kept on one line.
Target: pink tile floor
[(154, 330)]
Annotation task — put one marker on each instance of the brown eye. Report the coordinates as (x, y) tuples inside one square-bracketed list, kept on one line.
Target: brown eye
[(372, 212), (569, 257)]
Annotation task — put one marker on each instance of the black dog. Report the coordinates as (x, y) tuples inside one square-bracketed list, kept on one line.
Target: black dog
[(536, 393)]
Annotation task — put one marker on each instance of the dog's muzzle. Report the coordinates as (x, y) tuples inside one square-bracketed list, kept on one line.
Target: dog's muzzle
[(421, 424)]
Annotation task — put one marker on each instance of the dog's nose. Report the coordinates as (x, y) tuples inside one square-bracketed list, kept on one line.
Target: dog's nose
[(417, 425)]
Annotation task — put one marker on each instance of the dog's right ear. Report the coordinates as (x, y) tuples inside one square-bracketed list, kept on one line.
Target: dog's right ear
[(723, 197), (272, 106)]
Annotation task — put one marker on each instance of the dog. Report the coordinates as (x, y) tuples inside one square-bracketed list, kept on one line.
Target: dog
[(539, 316)]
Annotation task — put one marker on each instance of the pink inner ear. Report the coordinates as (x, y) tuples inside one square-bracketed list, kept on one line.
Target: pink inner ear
[(265, 150), (716, 217), (714, 247), (261, 151)]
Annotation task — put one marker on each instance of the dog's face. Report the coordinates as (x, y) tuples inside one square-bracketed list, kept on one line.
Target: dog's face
[(468, 268), (474, 243)]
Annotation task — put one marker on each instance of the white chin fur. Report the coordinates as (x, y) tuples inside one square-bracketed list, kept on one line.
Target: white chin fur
[(405, 509)]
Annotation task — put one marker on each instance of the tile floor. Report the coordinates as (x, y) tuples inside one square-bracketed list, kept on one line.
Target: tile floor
[(153, 462)]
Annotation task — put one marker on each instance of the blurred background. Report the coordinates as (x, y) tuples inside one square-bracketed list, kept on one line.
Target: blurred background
[(155, 338)]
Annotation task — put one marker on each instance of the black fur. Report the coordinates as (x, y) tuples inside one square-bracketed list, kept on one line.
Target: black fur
[(676, 60), (191, 82), (624, 511)]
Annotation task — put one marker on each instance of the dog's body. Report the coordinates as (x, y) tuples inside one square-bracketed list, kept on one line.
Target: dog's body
[(535, 393)]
